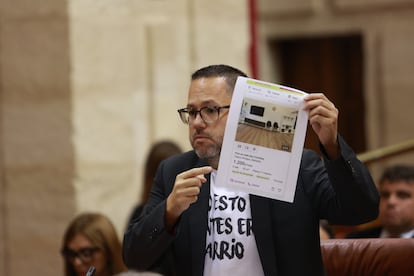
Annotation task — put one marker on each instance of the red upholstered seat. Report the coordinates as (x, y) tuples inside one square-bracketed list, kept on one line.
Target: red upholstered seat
[(368, 257)]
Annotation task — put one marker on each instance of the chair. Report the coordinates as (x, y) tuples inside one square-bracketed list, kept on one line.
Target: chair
[(368, 257)]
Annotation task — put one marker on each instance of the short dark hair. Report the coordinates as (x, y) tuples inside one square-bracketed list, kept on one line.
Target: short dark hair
[(220, 70), (398, 173)]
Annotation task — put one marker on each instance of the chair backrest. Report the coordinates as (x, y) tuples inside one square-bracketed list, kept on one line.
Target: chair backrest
[(362, 257)]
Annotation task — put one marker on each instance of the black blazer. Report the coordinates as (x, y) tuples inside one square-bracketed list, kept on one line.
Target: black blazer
[(366, 233), (374, 232), (287, 234)]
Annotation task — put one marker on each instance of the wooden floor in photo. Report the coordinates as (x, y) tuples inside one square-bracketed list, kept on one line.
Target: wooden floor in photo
[(265, 138)]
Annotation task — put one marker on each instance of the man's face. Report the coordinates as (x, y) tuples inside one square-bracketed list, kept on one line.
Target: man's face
[(397, 206), (207, 139)]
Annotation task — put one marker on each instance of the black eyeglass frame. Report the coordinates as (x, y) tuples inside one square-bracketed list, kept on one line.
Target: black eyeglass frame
[(84, 254), (186, 120)]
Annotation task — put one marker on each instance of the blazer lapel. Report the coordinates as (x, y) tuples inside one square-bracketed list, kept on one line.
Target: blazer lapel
[(261, 214), (198, 225)]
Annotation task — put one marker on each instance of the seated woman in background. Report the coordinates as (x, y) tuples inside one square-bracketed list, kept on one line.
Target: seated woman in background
[(157, 153), (91, 240)]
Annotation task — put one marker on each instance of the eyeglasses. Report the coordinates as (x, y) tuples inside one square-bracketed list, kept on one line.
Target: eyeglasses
[(208, 114), (84, 254)]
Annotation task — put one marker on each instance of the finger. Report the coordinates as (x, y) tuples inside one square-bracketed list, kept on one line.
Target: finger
[(202, 178), (192, 191), (318, 99), (194, 177), (314, 96), (324, 112), (196, 172), (317, 103), (322, 120)]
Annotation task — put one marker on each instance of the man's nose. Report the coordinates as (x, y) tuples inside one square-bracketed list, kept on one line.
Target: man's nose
[(392, 199), (198, 120)]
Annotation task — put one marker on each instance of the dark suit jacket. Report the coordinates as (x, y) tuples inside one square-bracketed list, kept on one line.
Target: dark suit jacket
[(365, 234), (374, 232), (287, 234)]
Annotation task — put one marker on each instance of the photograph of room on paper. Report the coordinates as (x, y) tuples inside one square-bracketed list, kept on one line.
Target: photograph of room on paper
[(266, 124)]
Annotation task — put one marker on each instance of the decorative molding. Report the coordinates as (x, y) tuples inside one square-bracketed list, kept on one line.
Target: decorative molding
[(281, 8), (370, 5)]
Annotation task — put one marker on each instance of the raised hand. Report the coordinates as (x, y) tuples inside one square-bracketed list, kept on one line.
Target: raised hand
[(185, 191), (323, 117)]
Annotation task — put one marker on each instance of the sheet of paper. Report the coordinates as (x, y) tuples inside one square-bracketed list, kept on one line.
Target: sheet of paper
[(263, 140)]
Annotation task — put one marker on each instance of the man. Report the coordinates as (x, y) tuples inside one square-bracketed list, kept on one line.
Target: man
[(189, 225), (396, 209)]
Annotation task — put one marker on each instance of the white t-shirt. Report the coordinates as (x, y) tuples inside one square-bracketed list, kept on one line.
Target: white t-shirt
[(230, 244), (406, 235)]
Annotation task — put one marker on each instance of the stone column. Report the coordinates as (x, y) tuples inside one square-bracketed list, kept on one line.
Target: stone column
[(36, 149)]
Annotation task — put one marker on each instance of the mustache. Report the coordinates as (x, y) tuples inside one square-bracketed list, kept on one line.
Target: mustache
[(201, 134)]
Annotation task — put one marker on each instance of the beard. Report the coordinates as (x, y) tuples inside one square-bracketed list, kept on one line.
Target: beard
[(210, 152)]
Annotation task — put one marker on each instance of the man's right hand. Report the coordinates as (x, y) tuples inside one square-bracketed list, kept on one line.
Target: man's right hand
[(185, 191)]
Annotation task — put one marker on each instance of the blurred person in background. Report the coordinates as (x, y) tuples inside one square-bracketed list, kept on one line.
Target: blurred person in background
[(158, 152), (396, 209), (91, 240)]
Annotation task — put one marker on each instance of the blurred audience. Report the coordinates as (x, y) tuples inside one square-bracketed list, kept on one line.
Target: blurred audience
[(158, 152), (396, 209), (91, 240)]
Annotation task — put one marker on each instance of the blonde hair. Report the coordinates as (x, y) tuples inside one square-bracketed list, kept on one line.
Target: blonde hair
[(99, 230)]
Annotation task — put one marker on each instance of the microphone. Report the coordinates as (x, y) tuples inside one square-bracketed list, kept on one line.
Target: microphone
[(91, 271)]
